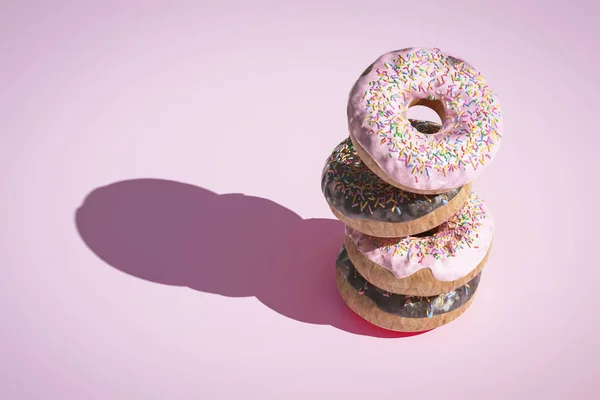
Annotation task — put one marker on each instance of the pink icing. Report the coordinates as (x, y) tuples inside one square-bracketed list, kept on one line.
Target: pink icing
[(378, 120), (458, 246)]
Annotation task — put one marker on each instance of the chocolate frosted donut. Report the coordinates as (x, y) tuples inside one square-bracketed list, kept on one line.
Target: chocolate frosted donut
[(402, 305), (396, 311), (360, 199)]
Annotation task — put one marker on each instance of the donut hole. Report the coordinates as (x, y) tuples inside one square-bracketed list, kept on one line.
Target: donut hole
[(429, 111), (430, 232)]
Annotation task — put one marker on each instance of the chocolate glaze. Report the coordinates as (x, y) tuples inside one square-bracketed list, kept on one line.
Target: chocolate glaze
[(401, 305), (353, 189)]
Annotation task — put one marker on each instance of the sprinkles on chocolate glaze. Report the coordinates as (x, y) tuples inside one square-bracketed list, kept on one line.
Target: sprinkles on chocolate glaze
[(436, 77), (345, 175), (458, 232)]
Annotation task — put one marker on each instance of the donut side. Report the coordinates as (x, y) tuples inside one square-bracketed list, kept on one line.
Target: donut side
[(421, 283), (413, 227), (450, 251), (396, 311), (359, 198), (368, 310)]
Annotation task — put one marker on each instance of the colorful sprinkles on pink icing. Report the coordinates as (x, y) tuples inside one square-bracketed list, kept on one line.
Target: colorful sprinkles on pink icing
[(472, 112), (458, 232)]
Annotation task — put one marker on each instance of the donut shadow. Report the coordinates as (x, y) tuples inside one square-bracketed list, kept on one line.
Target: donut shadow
[(232, 245)]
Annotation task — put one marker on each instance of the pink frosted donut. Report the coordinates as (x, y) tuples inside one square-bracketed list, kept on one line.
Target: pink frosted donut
[(451, 253), (398, 152)]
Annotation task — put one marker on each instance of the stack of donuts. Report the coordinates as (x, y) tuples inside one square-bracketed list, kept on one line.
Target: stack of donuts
[(416, 235)]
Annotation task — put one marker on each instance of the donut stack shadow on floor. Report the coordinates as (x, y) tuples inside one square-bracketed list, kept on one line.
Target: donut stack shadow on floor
[(417, 237)]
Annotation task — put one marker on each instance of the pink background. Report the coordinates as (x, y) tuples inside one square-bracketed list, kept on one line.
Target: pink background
[(172, 288)]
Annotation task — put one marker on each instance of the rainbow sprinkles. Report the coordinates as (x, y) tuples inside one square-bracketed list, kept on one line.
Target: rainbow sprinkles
[(470, 111), (451, 252), (347, 174)]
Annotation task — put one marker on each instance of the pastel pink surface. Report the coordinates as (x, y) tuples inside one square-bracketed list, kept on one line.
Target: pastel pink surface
[(238, 98)]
